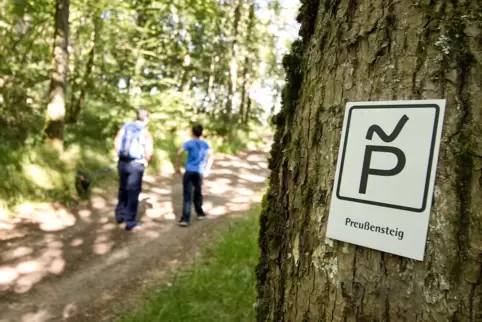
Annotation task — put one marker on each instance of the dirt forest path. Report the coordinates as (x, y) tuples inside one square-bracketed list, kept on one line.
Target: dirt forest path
[(78, 265)]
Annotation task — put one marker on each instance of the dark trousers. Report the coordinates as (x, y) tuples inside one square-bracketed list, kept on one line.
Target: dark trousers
[(192, 180), (130, 186)]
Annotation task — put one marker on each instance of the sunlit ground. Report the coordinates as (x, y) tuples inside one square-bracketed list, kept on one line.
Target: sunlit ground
[(46, 242)]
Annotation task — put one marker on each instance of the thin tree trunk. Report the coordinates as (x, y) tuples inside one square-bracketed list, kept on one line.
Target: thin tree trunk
[(209, 88), (137, 79), (374, 50), (72, 79), (185, 83), (247, 67), (242, 106), (233, 65), (186, 78), (86, 82), (248, 110), (54, 127)]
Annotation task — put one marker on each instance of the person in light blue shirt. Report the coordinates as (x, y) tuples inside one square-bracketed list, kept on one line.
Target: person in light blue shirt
[(134, 146), (198, 164)]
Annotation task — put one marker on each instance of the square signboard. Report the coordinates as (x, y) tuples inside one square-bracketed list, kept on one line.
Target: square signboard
[(385, 175)]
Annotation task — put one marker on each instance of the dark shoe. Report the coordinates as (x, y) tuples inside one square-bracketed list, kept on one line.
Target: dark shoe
[(135, 227), (120, 221)]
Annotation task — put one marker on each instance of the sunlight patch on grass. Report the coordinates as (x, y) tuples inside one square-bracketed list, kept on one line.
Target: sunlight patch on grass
[(42, 174), (41, 177), (221, 287)]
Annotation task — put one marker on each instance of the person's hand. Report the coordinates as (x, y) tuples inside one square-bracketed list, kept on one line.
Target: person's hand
[(178, 170), (206, 173)]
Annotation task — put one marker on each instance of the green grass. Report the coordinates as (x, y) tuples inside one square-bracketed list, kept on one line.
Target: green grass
[(221, 287)]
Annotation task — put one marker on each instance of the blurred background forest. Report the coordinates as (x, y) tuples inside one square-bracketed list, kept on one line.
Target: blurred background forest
[(71, 72)]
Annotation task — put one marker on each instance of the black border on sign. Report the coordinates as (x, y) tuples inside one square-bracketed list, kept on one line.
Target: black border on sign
[(430, 160)]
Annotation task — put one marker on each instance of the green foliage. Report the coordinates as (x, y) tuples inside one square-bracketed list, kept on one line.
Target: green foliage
[(221, 287), (173, 57)]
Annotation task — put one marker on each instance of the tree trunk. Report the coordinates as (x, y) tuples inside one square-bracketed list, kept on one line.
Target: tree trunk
[(209, 88), (54, 127), (247, 65), (247, 113), (73, 78), (244, 94), (185, 83), (374, 50), (86, 82), (233, 65), (137, 79)]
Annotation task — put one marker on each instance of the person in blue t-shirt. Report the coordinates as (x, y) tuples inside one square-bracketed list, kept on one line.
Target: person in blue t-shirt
[(198, 164)]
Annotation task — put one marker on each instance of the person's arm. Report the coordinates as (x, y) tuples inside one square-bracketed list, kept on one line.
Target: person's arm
[(185, 147), (149, 146), (209, 162), (117, 140), (178, 159)]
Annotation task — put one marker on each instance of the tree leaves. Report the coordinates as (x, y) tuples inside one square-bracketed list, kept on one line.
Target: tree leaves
[(159, 33)]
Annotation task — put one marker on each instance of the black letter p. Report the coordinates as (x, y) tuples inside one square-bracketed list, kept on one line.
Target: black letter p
[(366, 171)]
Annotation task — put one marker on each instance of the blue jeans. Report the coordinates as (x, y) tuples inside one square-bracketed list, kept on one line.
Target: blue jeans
[(192, 181), (130, 186)]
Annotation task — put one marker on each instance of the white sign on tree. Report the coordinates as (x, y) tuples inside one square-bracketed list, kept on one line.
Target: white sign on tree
[(385, 175)]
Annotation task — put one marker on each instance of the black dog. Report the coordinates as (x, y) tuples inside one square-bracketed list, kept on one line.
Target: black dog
[(83, 181)]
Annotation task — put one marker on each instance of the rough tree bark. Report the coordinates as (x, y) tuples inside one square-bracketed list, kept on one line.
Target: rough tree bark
[(374, 50), (54, 127)]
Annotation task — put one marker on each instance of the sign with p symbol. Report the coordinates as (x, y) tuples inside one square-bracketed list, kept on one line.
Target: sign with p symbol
[(386, 172)]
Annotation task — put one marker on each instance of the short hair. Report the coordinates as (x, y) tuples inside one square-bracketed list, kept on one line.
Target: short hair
[(197, 130), (142, 114)]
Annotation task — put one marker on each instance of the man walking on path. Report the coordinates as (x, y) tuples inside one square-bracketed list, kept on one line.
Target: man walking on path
[(134, 146), (198, 164)]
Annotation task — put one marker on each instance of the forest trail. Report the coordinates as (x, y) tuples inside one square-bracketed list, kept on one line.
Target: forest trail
[(78, 265)]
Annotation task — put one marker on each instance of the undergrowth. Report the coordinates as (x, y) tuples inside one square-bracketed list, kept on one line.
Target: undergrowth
[(32, 172)]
